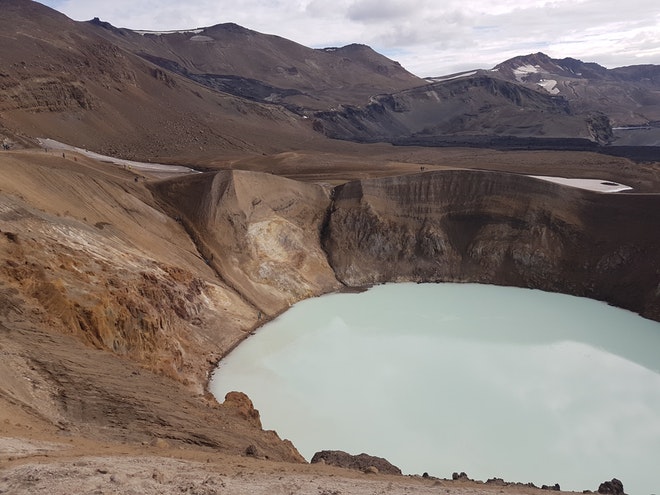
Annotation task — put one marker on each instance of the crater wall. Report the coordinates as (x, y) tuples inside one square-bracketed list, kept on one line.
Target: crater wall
[(491, 227)]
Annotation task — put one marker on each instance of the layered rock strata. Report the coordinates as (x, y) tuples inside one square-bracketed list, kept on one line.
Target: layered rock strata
[(507, 229)]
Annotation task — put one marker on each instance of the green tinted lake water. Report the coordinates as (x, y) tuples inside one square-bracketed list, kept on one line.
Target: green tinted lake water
[(494, 381)]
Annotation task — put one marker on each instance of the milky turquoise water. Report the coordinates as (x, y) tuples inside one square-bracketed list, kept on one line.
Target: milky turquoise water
[(497, 382)]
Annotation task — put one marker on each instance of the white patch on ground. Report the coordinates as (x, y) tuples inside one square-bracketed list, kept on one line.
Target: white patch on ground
[(100, 248), (598, 185), (201, 38), (159, 33), (549, 85), (449, 78), (632, 128), (129, 164), (524, 70)]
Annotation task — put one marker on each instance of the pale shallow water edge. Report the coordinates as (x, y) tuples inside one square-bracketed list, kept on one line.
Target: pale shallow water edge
[(494, 381)]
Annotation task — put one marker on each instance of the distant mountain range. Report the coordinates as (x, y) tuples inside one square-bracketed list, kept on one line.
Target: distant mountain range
[(226, 87), (532, 96), (628, 95)]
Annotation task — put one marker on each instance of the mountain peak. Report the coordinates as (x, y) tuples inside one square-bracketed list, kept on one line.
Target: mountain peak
[(523, 67), (230, 27), (29, 12), (537, 60)]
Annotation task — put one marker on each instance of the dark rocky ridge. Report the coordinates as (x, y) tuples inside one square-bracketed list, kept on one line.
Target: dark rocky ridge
[(464, 109)]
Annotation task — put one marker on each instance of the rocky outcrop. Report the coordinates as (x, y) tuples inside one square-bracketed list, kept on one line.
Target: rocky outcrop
[(261, 233), (613, 487), (486, 227), (554, 488), (243, 407), (361, 462), (41, 94)]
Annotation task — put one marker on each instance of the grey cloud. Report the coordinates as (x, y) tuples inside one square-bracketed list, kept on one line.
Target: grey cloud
[(378, 10), (429, 37)]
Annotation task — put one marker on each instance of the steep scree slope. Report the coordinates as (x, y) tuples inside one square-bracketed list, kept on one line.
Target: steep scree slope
[(60, 79)]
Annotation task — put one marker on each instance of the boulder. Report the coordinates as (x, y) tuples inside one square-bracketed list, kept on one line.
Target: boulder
[(241, 404), (362, 462), (554, 487), (613, 487)]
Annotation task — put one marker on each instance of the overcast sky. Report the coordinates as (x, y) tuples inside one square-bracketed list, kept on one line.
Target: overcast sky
[(428, 37)]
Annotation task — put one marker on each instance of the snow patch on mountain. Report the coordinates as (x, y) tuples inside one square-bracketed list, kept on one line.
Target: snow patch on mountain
[(184, 31), (550, 85), (448, 78), (524, 71), (598, 185)]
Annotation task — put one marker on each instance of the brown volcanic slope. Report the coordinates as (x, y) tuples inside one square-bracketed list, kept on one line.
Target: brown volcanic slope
[(59, 79), (91, 85), (269, 68), (106, 313), (259, 232)]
